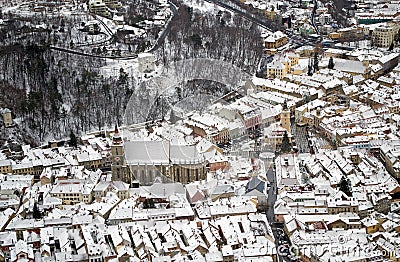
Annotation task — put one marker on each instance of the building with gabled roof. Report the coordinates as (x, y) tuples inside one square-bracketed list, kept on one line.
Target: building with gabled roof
[(255, 187), (22, 252), (73, 191), (118, 187)]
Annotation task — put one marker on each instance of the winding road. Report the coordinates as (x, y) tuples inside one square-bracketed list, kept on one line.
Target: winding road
[(313, 16), (250, 17), (262, 23), (165, 32), (75, 52), (157, 45)]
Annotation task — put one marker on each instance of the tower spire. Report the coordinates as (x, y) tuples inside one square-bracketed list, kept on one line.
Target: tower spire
[(117, 139), (285, 106)]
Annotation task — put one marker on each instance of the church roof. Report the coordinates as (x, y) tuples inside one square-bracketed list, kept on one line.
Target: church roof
[(160, 153), (147, 152)]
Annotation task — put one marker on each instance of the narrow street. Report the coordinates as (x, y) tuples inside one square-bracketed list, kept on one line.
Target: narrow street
[(165, 32), (272, 195), (281, 241)]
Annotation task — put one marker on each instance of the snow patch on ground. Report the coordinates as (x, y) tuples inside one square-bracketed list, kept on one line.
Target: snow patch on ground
[(112, 67), (202, 6)]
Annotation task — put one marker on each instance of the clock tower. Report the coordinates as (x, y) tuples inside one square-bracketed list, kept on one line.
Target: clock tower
[(285, 117), (119, 169)]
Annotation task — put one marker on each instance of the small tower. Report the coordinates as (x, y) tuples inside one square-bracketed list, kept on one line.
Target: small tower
[(147, 62), (7, 117), (118, 165), (285, 117)]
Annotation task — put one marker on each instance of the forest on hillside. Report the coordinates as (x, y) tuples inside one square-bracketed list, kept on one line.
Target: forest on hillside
[(52, 93), (208, 35)]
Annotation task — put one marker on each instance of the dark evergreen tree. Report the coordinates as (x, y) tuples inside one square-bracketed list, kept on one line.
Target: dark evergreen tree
[(286, 146), (196, 39), (190, 11), (316, 61), (36, 212), (73, 141), (310, 71), (391, 46), (148, 203), (345, 186), (331, 64)]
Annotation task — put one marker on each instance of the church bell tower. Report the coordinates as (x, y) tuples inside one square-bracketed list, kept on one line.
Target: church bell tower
[(119, 169), (285, 117)]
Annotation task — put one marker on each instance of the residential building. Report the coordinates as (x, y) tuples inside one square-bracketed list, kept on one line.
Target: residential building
[(90, 160), (212, 127), (99, 7), (22, 252), (384, 35), (390, 152), (5, 166), (270, 12), (118, 187), (273, 41), (282, 65), (287, 171), (72, 192), (277, 69), (113, 4), (341, 203)]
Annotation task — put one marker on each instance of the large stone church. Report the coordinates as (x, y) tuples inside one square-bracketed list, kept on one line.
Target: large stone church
[(155, 161)]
